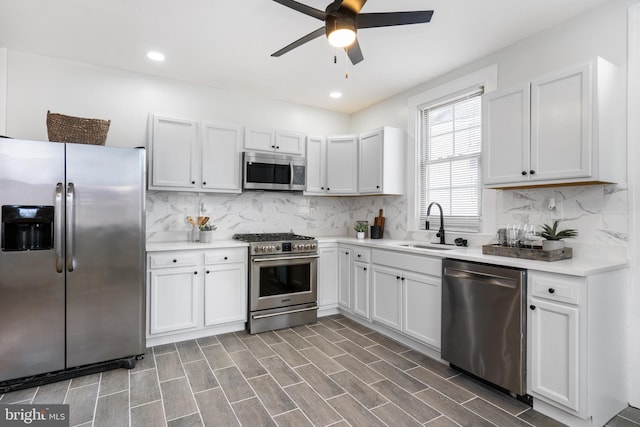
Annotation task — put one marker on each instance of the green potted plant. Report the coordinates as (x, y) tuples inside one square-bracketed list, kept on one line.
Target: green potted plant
[(360, 228), (206, 232), (553, 237)]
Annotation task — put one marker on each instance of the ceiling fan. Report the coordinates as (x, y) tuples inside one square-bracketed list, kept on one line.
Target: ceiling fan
[(343, 18)]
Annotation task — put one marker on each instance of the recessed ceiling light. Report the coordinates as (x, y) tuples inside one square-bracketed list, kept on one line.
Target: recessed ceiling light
[(155, 56), (336, 95)]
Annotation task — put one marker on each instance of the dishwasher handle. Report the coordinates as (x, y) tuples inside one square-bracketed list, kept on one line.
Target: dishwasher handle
[(490, 279)]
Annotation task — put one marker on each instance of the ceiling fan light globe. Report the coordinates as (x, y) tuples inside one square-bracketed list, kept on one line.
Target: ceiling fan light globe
[(342, 37)]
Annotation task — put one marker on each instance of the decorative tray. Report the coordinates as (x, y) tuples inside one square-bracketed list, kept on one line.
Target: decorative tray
[(535, 253)]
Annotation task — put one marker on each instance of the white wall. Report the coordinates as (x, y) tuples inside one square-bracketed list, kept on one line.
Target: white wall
[(634, 202), (3, 91), (38, 83)]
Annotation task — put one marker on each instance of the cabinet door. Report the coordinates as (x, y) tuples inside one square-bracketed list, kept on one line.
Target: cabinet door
[(173, 299), (360, 287), (222, 157), (554, 358), (370, 162), (328, 277), (259, 139), (315, 165), (174, 149), (506, 137), (342, 165), (344, 282), (421, 307), (225, 293), (288, 142), (386, 289), (561, 119)]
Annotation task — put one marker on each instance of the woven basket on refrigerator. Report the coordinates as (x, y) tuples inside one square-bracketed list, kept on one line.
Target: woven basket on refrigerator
[(61, 128)]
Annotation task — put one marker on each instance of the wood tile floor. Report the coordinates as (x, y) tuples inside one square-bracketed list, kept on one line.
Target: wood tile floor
[(335, 372)]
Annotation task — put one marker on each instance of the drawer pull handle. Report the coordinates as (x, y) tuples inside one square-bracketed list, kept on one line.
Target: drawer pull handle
[(532, 307), (551, 290)]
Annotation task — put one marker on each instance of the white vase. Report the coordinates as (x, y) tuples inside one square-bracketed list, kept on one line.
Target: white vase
[(206, 236), (552, 245), (360, 234)]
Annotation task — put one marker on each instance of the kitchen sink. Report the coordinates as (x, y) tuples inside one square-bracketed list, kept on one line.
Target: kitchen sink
[(432, 247)]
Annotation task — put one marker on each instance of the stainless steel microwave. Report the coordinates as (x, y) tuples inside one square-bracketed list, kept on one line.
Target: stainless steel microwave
[(272, 171)]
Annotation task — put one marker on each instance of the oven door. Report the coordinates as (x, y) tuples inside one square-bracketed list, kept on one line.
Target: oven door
[(282, 280)]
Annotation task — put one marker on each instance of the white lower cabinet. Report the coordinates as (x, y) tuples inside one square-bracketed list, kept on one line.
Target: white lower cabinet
[(406, 294), (576, 345), (173, 299), (353, 284), (191, 293), (328, 276)]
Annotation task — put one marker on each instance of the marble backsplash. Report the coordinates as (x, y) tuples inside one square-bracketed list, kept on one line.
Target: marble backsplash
[(598, 212)]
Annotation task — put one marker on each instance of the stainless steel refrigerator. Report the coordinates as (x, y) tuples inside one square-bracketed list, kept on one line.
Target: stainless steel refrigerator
[(71, 257)]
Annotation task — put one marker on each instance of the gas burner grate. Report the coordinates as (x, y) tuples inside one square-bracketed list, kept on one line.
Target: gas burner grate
[(270, 237)]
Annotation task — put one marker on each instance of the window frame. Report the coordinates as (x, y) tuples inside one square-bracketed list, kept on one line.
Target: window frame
[(486, 77)]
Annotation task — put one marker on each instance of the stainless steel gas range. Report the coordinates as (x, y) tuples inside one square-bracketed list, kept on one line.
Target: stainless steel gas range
[(282, 280)]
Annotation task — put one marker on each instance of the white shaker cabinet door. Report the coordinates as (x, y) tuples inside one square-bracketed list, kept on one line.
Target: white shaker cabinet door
[(342, 165), (173, 299), (328, 277), (174, 150), (386, 301), (555, 363), (221, 157), (422, 306), (225, 293), (316, 166), (344, 280)]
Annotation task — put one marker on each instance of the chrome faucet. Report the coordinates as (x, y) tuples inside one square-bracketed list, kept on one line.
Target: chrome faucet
[(440, 233)]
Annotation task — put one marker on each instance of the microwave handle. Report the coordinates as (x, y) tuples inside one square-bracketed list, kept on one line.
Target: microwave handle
[(291, 173)]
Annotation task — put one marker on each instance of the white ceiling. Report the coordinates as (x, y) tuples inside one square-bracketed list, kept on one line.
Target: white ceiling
[(227, 44)]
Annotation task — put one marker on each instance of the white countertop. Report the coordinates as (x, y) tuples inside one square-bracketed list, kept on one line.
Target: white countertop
[(585, 261)]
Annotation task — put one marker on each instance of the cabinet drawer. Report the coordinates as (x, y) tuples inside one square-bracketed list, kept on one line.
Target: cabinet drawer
[(361, 254), (219, 256), (419, 263), (555, 287), (174, 259)]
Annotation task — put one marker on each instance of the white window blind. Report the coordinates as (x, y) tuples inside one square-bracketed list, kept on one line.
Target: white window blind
[(449, 163)]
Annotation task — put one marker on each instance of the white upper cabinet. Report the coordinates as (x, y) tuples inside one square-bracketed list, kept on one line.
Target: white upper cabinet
[(279, 141), (222, 157), (562, 128), (173, 154), (342, 164), (179, 161), (316, 166), (381, 162)]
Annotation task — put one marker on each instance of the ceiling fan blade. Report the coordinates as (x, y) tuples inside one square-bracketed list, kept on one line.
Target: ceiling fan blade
[(387, 19), (303, 8), (302, 40), (354, 5), (354, 52)]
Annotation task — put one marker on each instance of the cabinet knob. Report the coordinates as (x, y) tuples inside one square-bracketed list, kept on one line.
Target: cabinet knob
[(193, 182), (195, 272), (364, 269), (322, 188), (359, 255), (378, 187), (204, 183), (402, 278), (277, 147), (175, 260), (532, 307), (273, 146), (208, 271), (524, 173), (226, 258), (551, 290), (532, 172), (397, 277)]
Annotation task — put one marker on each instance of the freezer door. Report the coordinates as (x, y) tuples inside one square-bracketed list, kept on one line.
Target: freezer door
[(105, 253), (31, 276)]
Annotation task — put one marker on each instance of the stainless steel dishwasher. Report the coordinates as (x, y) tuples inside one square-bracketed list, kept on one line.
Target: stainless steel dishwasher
[(484, 322)]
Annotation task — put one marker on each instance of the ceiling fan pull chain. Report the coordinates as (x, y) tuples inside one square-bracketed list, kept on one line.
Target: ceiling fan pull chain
[(346, 65)]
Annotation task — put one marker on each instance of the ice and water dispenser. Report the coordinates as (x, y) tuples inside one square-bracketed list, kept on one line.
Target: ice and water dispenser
[(27, 228)]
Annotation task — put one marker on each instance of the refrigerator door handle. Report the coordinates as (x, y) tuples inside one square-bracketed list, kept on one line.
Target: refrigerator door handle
[(71, 256), (57, 234)]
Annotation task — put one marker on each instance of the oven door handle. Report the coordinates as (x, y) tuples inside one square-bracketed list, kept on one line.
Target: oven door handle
[(300, 310), (285, 258)]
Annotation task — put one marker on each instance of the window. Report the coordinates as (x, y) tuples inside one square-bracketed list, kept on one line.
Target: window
[(449, 162)]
